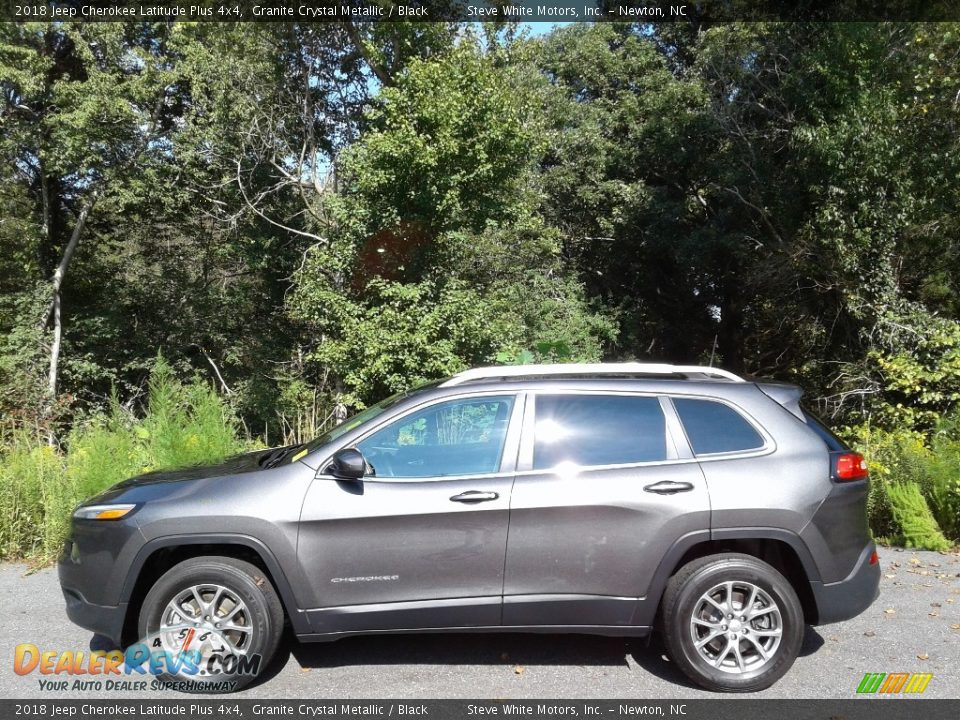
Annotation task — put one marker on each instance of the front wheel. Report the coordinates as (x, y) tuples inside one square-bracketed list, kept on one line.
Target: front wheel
[(210, 624), (732, 623)]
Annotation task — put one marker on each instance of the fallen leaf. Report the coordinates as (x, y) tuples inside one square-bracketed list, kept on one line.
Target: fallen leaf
[(305, 669), (869, 633), (955, 626), (923, 656), (889, 611), (890, 575), (519, 670), (949, 600), (934, 614)]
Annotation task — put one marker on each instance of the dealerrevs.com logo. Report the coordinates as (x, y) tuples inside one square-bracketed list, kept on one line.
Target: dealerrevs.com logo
[(185, 659)]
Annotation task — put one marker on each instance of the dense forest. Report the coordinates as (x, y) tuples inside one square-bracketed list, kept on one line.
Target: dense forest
[(300, 219)]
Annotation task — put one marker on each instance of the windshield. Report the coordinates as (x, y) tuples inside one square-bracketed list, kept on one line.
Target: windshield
[(363, 416)]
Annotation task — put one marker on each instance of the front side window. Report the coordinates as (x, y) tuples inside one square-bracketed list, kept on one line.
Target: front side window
[(456, 437), (713, 427), (597, 430)]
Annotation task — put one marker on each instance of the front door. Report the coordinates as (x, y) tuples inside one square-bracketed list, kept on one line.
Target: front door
[(420, 541), (602, 491)]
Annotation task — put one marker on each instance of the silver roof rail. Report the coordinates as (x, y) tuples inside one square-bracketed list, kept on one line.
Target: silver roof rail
[(626, 368)]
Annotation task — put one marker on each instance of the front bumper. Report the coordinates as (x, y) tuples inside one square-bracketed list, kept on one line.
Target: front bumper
[(106, 620), (851, 596), (92, 571)]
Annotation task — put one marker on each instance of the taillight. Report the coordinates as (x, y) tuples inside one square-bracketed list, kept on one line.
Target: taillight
[(851, 466), (874, 558)]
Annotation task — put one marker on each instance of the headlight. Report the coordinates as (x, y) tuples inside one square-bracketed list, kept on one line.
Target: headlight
[(103, 512)]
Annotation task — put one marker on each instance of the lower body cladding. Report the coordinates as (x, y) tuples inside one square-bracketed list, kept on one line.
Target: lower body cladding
[(105, 620), (851, 596), (593, 615)]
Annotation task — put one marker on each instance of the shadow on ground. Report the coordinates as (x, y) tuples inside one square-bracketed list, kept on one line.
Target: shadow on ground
[(515, 649), (511, 649)]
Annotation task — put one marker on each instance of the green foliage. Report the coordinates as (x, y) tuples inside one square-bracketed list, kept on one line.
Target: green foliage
[(399, 334), (915, 483), (918, 529), (922, 381), (437, 259), (35, 499), (40, 486), (352, 209), (185, 424)]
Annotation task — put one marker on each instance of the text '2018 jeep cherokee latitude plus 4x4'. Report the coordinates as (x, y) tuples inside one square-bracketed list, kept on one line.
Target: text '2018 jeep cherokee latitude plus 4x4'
[(608, 499)]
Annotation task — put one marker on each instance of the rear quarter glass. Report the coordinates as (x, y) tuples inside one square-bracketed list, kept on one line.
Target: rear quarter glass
[(713, 427)]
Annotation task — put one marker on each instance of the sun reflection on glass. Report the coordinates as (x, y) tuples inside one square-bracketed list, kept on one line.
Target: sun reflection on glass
[(550, 431)]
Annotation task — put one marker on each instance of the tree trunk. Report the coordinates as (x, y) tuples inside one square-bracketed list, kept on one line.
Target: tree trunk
[(55, 347), (55, 304)]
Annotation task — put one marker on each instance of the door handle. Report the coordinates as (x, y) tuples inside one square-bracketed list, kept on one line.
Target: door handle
[(668, 487), (475, 496)]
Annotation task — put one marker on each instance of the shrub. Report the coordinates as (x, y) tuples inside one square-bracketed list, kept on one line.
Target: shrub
[(942, 478), (918, 529), (915, 484), (39, 485)]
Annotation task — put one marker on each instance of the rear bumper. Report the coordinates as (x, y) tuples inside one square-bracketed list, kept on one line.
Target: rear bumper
[(851, 596)]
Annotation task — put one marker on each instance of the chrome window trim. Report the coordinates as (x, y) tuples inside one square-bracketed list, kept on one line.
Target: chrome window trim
[(423, 479)]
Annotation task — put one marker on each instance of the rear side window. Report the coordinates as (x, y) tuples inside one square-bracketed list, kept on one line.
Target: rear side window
[(597, 430), (713, 427)]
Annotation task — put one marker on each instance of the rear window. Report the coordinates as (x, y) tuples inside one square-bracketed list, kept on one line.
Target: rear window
[(713, 427), (833, 443), (597, 430)]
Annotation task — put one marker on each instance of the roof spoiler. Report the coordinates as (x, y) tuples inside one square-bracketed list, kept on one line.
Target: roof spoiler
[(786, 394)]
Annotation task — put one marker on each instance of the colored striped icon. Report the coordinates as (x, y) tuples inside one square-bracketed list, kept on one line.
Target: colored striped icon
[(893, 683)]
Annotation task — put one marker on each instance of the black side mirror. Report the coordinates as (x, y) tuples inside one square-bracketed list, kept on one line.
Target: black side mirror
[(348, 464)]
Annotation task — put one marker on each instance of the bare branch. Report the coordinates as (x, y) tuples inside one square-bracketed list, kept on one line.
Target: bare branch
[(261, 214)]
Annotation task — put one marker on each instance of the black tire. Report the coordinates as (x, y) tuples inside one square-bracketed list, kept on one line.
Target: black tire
[(682, 599), (251, 586)]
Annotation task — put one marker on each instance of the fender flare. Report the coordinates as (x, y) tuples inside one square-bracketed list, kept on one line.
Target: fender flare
[(648, 605), (284, 589)]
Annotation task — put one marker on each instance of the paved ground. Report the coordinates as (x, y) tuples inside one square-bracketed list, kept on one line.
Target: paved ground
[(914, 627)]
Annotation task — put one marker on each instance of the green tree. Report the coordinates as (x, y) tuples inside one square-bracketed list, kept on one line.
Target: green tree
[(437, 257)]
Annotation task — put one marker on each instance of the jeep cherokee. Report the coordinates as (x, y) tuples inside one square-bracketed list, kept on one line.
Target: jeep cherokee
[(608, 499)]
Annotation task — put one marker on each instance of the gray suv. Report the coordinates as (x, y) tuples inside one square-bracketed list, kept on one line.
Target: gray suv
[(609, 499)]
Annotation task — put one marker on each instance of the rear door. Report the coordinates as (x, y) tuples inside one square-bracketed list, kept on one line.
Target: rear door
[(602, 491)]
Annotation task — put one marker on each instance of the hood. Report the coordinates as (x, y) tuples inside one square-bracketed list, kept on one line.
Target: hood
[(243, 463)]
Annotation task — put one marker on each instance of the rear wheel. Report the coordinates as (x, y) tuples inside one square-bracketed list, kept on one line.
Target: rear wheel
[(216, 621), (732, 623)]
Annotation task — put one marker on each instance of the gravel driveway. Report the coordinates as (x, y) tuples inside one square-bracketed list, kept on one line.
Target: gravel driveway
[(913, 627)]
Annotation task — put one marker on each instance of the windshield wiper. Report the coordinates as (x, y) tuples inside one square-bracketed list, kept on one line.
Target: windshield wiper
[(277, 456)]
